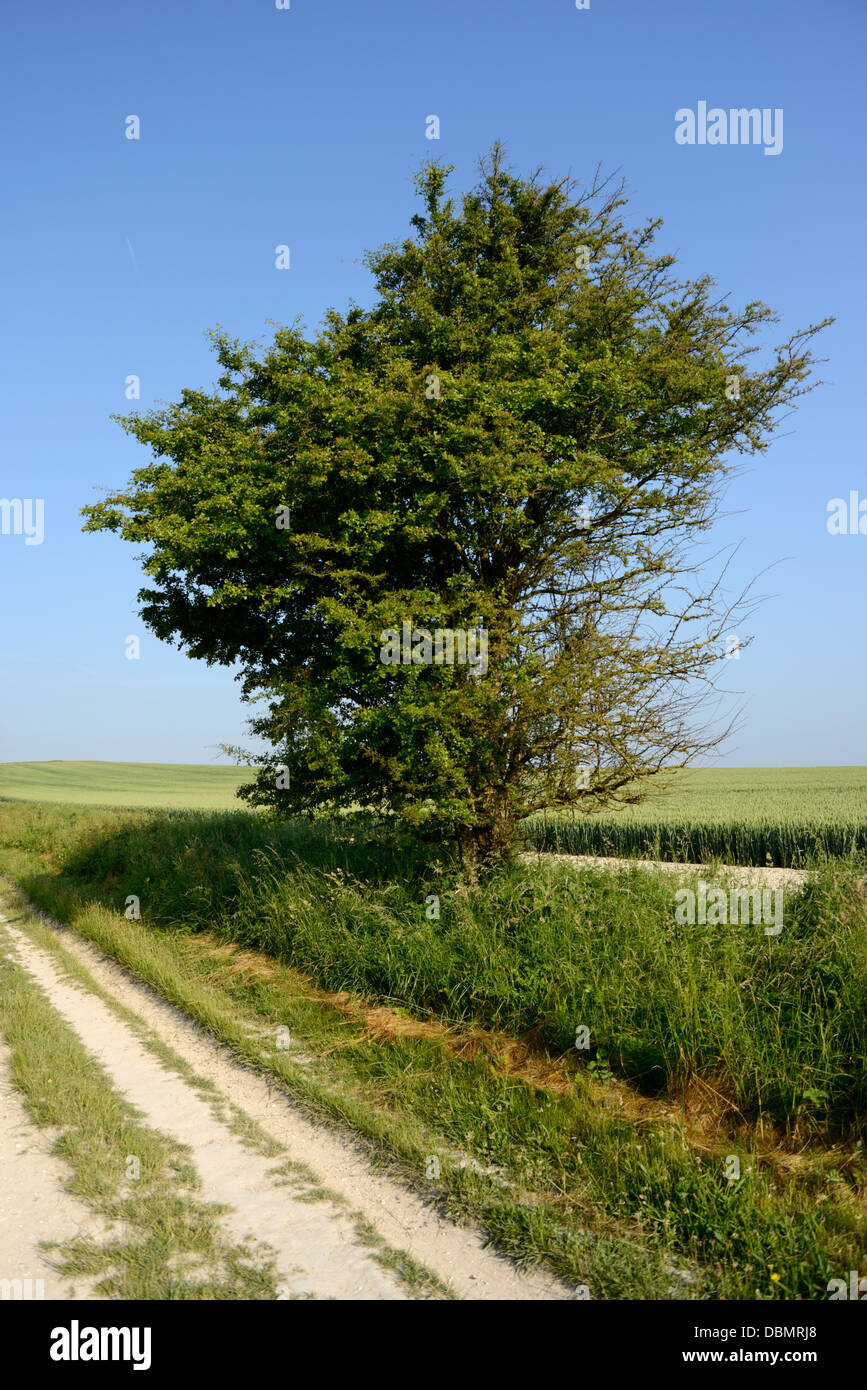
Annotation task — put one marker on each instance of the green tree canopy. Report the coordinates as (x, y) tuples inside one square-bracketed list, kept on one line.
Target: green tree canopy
[(523, 435)]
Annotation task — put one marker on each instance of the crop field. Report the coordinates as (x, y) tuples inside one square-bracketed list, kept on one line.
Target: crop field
[(783, 816), (756, 816), (159, 786)]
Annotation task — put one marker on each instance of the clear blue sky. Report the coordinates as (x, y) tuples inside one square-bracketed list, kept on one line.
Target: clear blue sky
[(262, 126)]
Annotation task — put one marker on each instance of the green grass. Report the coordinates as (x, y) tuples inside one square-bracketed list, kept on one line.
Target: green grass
[(777, 816), (180, 785), (776, 1021), (604, 1175)]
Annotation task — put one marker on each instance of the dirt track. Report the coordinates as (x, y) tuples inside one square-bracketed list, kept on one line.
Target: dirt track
[(34, 1206), (317, 1247), (735, 873)]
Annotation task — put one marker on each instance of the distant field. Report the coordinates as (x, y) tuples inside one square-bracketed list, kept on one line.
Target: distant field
[(747, 815), (160, 785)]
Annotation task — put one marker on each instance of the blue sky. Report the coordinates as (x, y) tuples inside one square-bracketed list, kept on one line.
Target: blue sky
[(261, 127)]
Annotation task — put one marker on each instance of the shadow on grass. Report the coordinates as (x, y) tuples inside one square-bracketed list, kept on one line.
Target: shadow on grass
[(191, 865)]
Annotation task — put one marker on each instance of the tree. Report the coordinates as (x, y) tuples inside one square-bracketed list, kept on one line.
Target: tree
[(514, 445)]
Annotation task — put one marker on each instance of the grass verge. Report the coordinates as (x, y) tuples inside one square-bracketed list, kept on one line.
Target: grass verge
[(559, 1160)]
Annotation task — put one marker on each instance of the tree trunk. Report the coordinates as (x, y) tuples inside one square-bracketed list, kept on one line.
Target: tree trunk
[(488, 844)]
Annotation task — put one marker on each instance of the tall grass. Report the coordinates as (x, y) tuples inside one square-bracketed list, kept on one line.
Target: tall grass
[(774, 1023)]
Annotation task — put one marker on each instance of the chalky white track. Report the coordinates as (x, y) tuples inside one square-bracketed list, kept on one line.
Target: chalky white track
[(315, 1243)]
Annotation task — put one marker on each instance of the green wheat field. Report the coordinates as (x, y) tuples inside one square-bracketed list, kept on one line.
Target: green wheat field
[(783, 816), (161, 786)]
